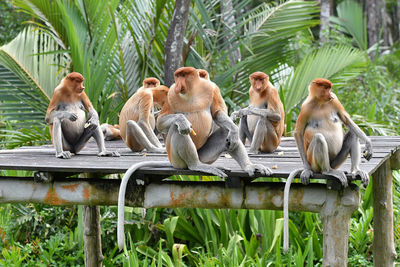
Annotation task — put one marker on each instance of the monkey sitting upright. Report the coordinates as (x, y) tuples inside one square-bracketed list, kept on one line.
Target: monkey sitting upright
[(137, 121), (322, 145), (69, 128), (262, 123)]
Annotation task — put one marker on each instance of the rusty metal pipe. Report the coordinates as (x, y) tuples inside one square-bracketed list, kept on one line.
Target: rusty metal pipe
[(173, 194)]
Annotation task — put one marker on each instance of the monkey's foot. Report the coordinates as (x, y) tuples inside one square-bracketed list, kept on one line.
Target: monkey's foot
[(208, 169), (108, 154), (254, 151), (363, 175), (339, 175), (64, 155), (305, 176), (156, 150), (252, 168)]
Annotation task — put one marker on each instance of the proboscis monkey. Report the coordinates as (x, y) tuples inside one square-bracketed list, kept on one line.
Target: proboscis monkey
[(69, 128), (262, 122), (136, 120), (193, 105), (112, 132), (322, 145)]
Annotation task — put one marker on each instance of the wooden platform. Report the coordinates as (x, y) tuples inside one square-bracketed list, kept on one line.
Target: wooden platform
[(282, 163)]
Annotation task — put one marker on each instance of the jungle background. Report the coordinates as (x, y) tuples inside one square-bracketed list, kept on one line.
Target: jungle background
[(116, 44)]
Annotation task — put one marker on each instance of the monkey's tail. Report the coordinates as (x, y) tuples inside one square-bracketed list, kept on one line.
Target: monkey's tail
[(286, 209), (121, 195)]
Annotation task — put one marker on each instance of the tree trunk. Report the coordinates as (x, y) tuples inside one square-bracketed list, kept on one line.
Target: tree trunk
[(326, 12), (174, 43), (92, 236), (378, 24), (229, 24)]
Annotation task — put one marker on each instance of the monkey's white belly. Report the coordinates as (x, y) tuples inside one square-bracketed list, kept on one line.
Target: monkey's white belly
[(72, 130), (333, 133)]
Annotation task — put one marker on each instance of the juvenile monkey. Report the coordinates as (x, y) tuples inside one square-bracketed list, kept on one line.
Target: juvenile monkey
[(262, 123), (136, 119), (69, 128), (193, 105), (322, 145)]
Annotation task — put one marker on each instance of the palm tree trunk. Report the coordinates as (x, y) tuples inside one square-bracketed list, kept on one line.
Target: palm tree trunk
[(377, 24), (174, 42), (228, 18), (326, 12)]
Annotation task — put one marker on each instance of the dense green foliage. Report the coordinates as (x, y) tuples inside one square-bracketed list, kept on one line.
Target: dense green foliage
[(116, 45)]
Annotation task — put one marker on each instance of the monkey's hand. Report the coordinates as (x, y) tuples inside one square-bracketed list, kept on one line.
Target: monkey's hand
[(93, 120), (183, 125), (252, 168), (367, 153), (305, 176), (68, 115), (363, 175), (232, 139)]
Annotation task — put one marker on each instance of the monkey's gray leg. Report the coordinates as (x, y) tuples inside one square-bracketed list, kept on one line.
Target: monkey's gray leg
[(59, 140), (259, 133), (84, 138), (242, 133), (99, 138), (351, 145), (148, 131), (217, 143), (137, 132), (183, 149), (213, 148), (320, 159)]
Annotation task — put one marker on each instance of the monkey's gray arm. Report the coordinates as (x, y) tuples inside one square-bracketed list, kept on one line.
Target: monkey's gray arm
[(223, 121), (165, 122), (93, 117), (367, 153), (250, 110), (300, 145), (61, 115)]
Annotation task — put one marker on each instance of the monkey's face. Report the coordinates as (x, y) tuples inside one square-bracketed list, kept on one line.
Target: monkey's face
[(151, 82), (322, 89), (78, 85), (258, 83), (184, 78)]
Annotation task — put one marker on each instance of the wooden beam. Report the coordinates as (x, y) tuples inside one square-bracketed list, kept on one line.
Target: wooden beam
[(383, 244)]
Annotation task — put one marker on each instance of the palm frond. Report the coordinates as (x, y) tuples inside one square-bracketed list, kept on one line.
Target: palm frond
[(337, 63), (352, 21)]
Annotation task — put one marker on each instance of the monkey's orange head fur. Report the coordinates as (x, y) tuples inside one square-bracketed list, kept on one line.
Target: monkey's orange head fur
[(75, 81), (321, 89), (203, 74), (258, 80), (183, 79), (151, 82), (160, 94)]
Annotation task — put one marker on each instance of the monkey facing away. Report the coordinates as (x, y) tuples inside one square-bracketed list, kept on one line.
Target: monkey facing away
[(322, 145), (136, 120), (193, 105), (112, 132), (69, 128), (262, 122)]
